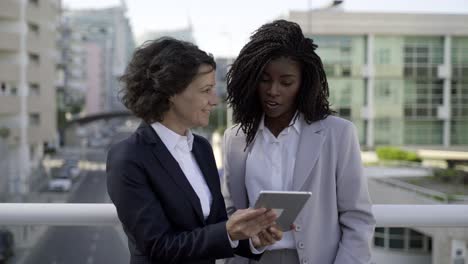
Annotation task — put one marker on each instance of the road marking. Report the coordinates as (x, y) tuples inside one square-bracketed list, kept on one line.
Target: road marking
[(90, 260), (96, 236)]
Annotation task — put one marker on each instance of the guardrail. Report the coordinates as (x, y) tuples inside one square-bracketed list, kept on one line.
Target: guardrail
[(68, 214)]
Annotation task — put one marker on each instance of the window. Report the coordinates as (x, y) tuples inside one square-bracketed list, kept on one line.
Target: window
[(383, 56), (8, 89), (34, 58), (34, 89), (383, 91), (346, 71), (34, 119), (344, 112), (33, 28), (416, 240), (379, 241), (346, 49), (402, 239)]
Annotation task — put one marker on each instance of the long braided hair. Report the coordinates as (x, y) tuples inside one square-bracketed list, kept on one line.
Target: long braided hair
[(279, 38)]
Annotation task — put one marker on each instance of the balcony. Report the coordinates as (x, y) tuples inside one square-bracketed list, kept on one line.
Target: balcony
[(34, 41), (9, 104), (10, 41), (9, 9), (34, 13), (9, 72), (34, 72)]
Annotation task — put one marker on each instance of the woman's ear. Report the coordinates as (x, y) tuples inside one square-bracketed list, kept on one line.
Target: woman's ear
[(171, 99)]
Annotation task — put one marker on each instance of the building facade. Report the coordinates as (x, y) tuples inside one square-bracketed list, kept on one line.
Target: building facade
[(401, 78), (107, 34), (185, 34), (28, 58)]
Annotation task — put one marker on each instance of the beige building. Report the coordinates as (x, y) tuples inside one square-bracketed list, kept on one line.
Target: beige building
[(27, 87)]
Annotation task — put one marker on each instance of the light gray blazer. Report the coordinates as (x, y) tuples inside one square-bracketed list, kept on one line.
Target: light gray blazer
[(337, 224)]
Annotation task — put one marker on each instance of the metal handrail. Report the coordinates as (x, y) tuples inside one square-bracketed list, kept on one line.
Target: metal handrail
[(69, 214)]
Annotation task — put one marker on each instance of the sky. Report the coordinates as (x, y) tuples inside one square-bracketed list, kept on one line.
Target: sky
[(223, 27)]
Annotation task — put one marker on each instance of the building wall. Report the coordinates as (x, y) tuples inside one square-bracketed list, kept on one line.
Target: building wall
[(109, 29), (94, 83), (401, 78), (27, 89), (440, 238)]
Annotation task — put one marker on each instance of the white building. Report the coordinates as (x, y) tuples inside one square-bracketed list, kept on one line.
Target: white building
[(28, 58)]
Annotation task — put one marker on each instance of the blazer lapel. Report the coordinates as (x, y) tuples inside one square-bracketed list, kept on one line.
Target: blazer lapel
[(310, 145), (172, 167), (204, 166)]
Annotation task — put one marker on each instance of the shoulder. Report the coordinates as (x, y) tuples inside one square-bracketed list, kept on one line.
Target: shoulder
[(127, 149), (234, 131), (336, 123), (201, 141), (332, 127)]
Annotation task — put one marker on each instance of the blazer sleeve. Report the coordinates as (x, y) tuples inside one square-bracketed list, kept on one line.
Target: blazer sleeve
[(244, 245), (144, 218), (354, 206), (226, 190)]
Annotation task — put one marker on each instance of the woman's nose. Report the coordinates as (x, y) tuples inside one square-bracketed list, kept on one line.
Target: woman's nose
[(273, 90), (214, 100)]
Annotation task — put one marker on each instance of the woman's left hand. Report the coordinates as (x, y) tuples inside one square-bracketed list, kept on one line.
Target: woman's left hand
[(267, 237)]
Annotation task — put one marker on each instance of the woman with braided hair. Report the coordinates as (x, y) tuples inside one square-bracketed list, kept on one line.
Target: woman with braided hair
[(287, 139)]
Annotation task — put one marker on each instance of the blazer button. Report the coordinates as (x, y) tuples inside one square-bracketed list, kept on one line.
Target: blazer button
[(305, 261), (298, 228), (300, 245)]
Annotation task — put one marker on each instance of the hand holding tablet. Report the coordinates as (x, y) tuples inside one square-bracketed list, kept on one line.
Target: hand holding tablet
[(287, 205)]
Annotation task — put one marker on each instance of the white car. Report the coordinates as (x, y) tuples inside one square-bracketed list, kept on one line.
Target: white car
[(60, 184)]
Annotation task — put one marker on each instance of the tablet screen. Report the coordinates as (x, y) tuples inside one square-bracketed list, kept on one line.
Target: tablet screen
[(287, 205)]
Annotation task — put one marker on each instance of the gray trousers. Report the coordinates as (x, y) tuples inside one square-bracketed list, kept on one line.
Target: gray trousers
[(282, 256)]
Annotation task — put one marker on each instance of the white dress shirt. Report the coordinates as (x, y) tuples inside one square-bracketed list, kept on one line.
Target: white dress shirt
[(181, 149), (270, 166)]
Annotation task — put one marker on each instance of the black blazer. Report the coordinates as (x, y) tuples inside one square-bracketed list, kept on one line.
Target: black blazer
[(159, 210)]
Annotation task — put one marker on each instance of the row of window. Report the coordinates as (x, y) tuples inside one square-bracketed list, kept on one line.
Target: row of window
[(403, 239), (398, 131), (8, 89)]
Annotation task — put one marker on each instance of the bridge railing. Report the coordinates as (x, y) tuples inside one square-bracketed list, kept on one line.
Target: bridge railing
[(69, 214)]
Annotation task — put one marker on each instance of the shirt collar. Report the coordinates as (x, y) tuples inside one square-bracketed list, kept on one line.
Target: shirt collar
[(295, 123), (171, 138)]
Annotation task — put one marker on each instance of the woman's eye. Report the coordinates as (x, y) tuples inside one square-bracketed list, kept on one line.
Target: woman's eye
[(287, 84)]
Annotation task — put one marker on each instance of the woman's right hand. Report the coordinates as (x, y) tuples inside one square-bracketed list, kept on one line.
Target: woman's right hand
[(246, 223)]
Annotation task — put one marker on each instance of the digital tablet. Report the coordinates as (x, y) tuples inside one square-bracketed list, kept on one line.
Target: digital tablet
[(287, 205)]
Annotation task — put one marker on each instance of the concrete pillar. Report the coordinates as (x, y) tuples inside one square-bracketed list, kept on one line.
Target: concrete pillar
[(447, 104), (459, 252), (369, 75)]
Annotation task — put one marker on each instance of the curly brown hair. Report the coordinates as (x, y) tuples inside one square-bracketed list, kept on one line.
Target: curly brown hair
[(158, 70), (279, 38)]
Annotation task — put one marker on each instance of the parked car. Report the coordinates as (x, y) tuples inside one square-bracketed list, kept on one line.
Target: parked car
[(67, 171), (6, 245), (60, 184)]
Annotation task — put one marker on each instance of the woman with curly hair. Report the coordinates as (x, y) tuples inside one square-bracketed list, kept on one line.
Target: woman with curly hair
[(163, 179), (287, 139)]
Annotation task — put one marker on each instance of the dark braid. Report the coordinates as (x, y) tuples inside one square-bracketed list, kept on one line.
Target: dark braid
[(271, 41)]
